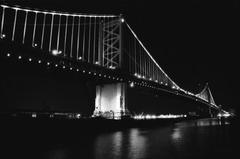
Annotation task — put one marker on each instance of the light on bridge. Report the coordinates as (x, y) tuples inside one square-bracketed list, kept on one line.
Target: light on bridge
[(131, 84), (30, 59), (122, 20), (19, 57), (112, 67), (3, 36), (56, 52), (39, 61), (8, 55)]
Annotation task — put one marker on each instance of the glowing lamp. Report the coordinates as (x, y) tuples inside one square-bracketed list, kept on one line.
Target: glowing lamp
[(3, 36), (131, 84), (56, 52)]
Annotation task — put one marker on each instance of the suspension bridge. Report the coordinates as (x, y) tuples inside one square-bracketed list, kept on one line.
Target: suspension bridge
[(103, 46)]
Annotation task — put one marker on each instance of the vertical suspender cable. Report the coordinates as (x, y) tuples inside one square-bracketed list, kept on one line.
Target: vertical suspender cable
[(111, 41), (100, 31), (59, 29), (79, 23), (43, 29), (72, 36), (50, 40), (89, 39), (135, 56), (140, 62), (14, 24), (103, 38), (94, 40), (65, 36), (34, 28), (25, 26), (83, 45), (129, 56), (2, 22)]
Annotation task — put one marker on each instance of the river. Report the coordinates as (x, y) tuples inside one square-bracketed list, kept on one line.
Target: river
[(205, 138)]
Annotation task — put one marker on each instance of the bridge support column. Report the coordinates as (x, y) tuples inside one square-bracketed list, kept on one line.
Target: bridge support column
[(110, 101)]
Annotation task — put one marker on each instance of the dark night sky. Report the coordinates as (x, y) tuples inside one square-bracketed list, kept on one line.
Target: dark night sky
[(193, 41)]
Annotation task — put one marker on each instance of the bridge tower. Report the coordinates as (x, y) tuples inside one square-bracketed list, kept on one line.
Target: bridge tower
[(110, 101)]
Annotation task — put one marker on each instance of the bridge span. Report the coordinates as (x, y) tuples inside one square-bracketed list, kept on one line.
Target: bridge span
[(104, 47)]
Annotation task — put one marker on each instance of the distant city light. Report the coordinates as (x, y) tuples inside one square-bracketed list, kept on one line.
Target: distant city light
[(162, 116), (19, 57), (34, 115), (8, 55)]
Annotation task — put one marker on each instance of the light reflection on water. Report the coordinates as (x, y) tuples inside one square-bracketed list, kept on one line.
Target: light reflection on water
[(191, 139)]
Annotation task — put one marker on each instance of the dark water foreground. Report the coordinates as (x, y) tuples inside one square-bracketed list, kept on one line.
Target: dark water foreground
[(205, 138)]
